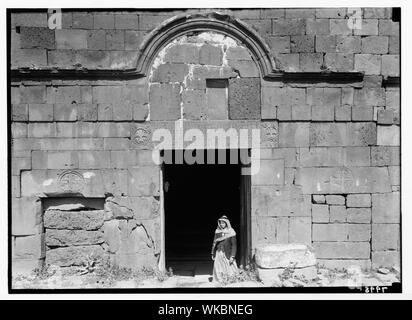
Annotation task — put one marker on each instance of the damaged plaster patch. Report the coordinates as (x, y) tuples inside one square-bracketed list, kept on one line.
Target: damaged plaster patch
[(189, 76), (47, 182), (218, 38), (212, 38), (159, 60), (88, 175)]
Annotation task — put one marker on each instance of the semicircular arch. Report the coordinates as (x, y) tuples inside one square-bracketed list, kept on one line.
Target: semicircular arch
[(213, 21)]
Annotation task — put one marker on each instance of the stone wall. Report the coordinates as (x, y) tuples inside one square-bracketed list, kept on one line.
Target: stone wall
[(78, 236), (330, 151), (73, 236)]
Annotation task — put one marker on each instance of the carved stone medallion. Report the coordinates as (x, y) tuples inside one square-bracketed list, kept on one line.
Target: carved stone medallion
[(70, 180)]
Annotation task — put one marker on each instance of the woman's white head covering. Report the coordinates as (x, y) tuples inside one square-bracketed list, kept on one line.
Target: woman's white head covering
[(228, 231), (225, 220)]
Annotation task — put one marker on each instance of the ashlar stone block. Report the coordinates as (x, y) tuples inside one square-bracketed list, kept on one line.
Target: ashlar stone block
[(244, 98)]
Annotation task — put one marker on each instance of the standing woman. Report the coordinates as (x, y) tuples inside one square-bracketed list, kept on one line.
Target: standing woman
[(224, 250)]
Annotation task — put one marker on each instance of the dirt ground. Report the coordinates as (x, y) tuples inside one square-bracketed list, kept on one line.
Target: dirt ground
[(325, 278)]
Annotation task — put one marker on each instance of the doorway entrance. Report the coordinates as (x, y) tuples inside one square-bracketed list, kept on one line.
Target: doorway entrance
[(195, 196)]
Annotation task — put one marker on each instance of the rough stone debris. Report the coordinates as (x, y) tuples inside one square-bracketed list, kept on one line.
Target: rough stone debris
[(76, 220), (330, 149), (56, 238), (77, 237), (274, 261), (284, 255), (273, 277)]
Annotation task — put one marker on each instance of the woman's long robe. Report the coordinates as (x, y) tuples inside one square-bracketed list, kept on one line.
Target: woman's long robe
[(223, 249)]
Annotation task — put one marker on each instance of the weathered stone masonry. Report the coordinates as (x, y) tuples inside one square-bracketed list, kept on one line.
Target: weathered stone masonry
[(330, 158)]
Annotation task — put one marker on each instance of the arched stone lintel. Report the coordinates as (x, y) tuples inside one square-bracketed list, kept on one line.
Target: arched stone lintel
[(212, 21)]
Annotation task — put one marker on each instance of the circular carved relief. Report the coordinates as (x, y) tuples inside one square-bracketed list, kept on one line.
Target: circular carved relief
[(141, 136), (71, 180)]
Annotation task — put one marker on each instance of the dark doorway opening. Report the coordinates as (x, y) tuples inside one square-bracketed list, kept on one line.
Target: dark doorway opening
[(195, 196)]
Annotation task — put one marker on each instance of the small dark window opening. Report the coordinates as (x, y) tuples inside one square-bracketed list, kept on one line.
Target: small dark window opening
[(396, 14), (79, 203), (216, 83)]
